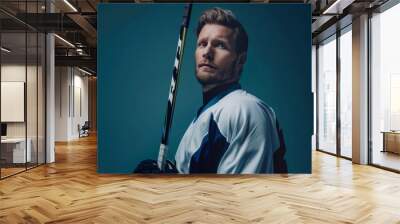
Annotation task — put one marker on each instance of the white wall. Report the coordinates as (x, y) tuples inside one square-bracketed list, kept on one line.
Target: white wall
[(14, 72), (71, 102), (62, 81)]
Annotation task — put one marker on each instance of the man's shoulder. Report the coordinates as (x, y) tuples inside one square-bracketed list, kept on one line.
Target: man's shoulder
[(241, 104), (241, 99)]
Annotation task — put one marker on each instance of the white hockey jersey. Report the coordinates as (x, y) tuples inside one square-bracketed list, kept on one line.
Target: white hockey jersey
[(234, 133)]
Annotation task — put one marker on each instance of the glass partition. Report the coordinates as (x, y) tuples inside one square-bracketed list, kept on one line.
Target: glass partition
[(22, 88), (31, 100), (14, 153), (32, 84)]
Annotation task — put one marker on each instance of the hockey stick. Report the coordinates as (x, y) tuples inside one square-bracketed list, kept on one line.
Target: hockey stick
[(162, 154)]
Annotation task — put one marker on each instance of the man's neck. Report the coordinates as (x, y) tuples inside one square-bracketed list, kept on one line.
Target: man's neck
[(210, 93)]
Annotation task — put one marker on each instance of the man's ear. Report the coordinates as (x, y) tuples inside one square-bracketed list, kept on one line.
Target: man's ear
[(239, 64), (242, 58)]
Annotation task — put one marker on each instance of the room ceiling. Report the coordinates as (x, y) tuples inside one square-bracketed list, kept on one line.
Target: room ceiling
[(76, 22)]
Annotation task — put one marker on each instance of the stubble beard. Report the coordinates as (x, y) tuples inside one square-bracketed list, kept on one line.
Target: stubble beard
[(210, 81)]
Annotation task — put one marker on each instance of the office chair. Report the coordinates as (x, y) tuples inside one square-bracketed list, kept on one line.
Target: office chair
[(84, 130)]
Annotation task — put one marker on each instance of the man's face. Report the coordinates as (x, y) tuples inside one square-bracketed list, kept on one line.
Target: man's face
[(216, 57)]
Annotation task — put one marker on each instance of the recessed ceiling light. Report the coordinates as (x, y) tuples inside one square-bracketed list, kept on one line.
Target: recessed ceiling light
[(337, 7), (84, 71), (64, 40), (70, 5), (5, 50)]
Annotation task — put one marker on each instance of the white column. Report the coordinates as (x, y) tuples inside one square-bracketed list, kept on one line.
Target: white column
[(50, 93), (360, 90), (50, 99)]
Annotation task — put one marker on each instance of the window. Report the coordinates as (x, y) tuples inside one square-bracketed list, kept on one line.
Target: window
[(327, 95), (385, 88), (346, 92)]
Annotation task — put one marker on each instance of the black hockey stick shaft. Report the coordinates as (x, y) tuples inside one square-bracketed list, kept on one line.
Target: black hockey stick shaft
[(162, 154)]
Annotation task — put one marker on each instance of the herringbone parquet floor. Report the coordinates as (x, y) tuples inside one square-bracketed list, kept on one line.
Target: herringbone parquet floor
[(70, 191)]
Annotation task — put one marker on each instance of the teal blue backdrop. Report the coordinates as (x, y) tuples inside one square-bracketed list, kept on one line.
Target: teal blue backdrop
[(136, 50)]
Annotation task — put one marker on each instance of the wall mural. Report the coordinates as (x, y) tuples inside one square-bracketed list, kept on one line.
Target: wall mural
[(204, 88)]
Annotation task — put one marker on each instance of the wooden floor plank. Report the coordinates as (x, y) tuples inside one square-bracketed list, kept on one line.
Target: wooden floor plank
[(70, 191)]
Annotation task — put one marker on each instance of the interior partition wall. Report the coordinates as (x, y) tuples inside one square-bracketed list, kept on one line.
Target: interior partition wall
[(334, 94), (385, 88), (22, 88)]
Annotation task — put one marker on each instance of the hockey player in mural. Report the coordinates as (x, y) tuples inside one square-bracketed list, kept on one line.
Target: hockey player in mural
[(233, 132)]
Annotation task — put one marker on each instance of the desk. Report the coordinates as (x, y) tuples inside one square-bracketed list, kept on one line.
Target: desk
[(13, 150), (391, 141)]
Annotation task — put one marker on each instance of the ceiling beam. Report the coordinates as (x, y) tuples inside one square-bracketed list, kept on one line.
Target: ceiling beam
[(83, 61)]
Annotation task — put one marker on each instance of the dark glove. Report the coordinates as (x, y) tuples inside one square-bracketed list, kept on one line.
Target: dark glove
[(150, 166)]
